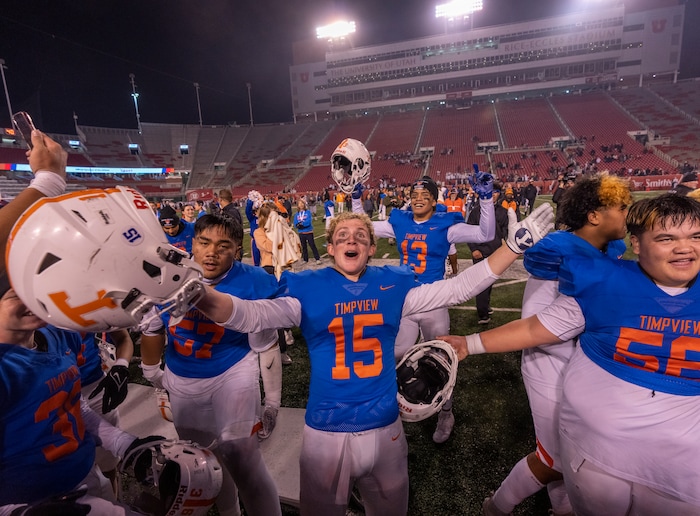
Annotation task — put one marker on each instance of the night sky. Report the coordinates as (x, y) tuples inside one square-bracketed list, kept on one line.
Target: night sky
[(66, 56)]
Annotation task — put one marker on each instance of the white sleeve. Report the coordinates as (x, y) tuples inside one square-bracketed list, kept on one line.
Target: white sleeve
[(383, 229), (563, 318), (462, 233), (250, 316), (262, 340), (453, 291), (539, 294), (108, 436)]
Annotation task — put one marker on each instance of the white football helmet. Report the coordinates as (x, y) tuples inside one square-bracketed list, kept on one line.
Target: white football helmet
[(426, 376), (350, 164), (256, 198), (97, 260), (183, 478)]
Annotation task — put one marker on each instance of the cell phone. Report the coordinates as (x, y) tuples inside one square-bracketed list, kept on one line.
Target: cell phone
[(23, 123)]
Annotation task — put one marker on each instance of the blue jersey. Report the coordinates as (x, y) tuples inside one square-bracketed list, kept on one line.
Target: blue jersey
[(424, 246), (328, 208), (44, 449), (183, 240), (634, 330), (351, 344), (544, 259), (303, 221), (88, 357), (250, 215), (200, 348)]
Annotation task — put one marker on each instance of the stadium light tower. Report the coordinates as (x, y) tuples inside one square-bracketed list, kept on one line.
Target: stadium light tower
[(336, 33), (458, 10), (4, 84), (135, 95), (250, 103), (199, 106)]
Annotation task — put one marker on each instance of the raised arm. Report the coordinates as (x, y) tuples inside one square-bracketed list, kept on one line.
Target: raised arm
[(463, 233), (47, 160), (250, 316), (521, 236)]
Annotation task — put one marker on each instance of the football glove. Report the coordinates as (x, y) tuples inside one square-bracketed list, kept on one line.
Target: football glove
[(526, 233), (59, 505), (482, 183), (142, 459), (357, 191), (115, 387)]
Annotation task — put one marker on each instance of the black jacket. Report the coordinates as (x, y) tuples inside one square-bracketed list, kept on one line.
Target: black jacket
[(488, 248)]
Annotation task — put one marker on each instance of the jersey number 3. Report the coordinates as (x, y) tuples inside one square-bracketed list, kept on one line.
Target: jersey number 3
[(421, 249), (357, 344)]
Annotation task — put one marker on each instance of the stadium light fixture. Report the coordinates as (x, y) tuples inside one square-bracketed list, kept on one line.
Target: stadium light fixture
[(458, 9), (337, 30), (4, 83), (135, 96)]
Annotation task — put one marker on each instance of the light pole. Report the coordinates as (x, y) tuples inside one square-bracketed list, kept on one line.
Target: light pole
[(4, 84), (136, 101), (199, 106), (250, 105)]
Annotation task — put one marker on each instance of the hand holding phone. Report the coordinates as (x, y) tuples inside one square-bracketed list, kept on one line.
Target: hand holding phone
[(23, 123)]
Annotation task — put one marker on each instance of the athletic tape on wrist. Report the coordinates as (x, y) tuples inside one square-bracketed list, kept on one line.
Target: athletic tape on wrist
[(48, 183), (474, 344)]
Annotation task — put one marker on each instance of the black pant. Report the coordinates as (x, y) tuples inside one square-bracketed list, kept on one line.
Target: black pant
[(483, 298), (308, 238)]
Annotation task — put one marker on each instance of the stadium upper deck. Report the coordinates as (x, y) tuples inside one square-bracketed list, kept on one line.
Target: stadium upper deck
[(574, 51)]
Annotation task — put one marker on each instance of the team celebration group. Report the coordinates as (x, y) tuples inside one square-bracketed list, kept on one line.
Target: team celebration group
[(610, 346)]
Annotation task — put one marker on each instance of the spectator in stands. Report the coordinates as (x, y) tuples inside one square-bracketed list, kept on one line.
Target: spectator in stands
[(303, 221), (687, 184), (189, 214), (178, 232)]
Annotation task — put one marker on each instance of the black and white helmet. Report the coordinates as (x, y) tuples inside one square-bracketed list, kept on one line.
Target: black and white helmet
[(350, 164), (181, 478), (426, 376)]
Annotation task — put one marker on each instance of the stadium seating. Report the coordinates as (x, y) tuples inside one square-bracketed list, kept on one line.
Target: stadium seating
[(443, 142)]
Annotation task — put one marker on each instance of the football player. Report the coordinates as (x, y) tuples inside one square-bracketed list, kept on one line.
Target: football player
[(353, 433), (48, 435), (593, 214), (424, 237), (178, 232), (630, 392), (212, 374)]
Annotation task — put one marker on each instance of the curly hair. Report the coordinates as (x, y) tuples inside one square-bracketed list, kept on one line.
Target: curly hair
[(588, 194)]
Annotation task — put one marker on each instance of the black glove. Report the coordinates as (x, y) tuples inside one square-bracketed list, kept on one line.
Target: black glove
[(59, 505), (141, 460), (115, 387)]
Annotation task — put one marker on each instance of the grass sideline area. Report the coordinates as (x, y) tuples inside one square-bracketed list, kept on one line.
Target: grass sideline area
[(493, 428)]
